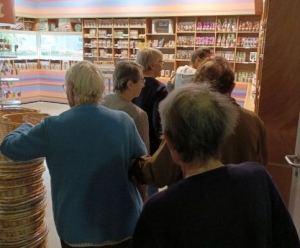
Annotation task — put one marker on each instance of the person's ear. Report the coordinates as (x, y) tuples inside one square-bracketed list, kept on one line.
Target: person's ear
[(173, 151), (151, 66), (70, 96), (129, 84), (169, 143)]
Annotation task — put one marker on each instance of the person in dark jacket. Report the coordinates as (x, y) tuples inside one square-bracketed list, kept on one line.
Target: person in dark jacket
[(151, 95), (216, 205)]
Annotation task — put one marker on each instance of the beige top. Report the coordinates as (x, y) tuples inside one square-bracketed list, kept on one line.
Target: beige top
[(139, 116)]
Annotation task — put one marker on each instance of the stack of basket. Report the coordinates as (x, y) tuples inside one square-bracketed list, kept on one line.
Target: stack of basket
[(22, 191)]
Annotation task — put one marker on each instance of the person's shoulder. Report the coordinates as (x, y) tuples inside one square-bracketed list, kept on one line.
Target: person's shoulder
[(135, 110), (248, 113), (156, 201), (140, 111), (185, 70), (113, 113), (161, 87), (107, 100), (249, 116), (109, 97), (181, 68), (247, 170), (172, 194)]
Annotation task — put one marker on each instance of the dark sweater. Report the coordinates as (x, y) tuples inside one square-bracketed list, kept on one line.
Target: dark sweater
[(151, 95), (235, 206)]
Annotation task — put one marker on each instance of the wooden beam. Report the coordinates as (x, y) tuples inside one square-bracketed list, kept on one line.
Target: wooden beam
[(258, 7)]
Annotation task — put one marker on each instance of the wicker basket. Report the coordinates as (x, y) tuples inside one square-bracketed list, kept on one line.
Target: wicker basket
[(20, 191), (22, 231), (21, 203), (15, 218), (38, 240), (15, 110), (19, 118), (27, 179), (15, 170), (10, 122)]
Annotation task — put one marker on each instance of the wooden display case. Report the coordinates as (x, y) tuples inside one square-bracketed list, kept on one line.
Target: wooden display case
[(113, 39)]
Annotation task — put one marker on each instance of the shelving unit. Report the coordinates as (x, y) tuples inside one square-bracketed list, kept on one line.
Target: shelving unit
[(8, 95), (234, 37), (106, 41), (112, 39)]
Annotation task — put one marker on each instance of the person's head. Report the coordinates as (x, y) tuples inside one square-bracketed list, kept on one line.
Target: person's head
[(84, 83), (128, 76), (198, 56), (217, 72), (195, 121), (152, 61)]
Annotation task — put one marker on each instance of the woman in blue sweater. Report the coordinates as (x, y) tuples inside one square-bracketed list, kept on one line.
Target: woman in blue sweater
[(87, 150)]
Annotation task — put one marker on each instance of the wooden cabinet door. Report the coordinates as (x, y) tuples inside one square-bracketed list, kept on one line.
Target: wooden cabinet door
[(279, 96)]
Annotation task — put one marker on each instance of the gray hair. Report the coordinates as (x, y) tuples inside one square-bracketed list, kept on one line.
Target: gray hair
[(125, 71), (147, 56), (86, 81), (197, 120)]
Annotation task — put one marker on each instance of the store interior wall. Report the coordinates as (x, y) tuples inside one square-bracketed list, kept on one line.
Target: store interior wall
[(132, 8)]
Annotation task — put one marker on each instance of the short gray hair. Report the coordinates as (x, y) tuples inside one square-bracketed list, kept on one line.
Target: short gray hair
[(125, 71), (86, 81), (197, 120), (147, 56)]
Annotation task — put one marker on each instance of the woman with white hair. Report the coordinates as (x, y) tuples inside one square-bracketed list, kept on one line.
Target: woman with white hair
[(151, 95), (87, 150), (215, 205)]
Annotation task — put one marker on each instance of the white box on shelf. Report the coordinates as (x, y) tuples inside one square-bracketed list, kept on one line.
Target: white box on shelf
[(162, 26)]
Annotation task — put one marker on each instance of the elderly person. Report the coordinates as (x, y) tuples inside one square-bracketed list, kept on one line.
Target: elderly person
[(152, 94), (128, 81), (248, 143), (216, 204), (185, 74), (94, 202)]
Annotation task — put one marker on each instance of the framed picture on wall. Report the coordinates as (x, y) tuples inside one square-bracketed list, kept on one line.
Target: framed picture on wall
[(167, 73), (252, 57)]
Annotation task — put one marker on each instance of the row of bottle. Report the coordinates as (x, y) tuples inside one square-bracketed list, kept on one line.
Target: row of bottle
[(185, 41), (108, 23), (205, 41), (226, 40), (206, 26), (104, 43), (240, 57), (228, 25), (247, 41), (244, 76)]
